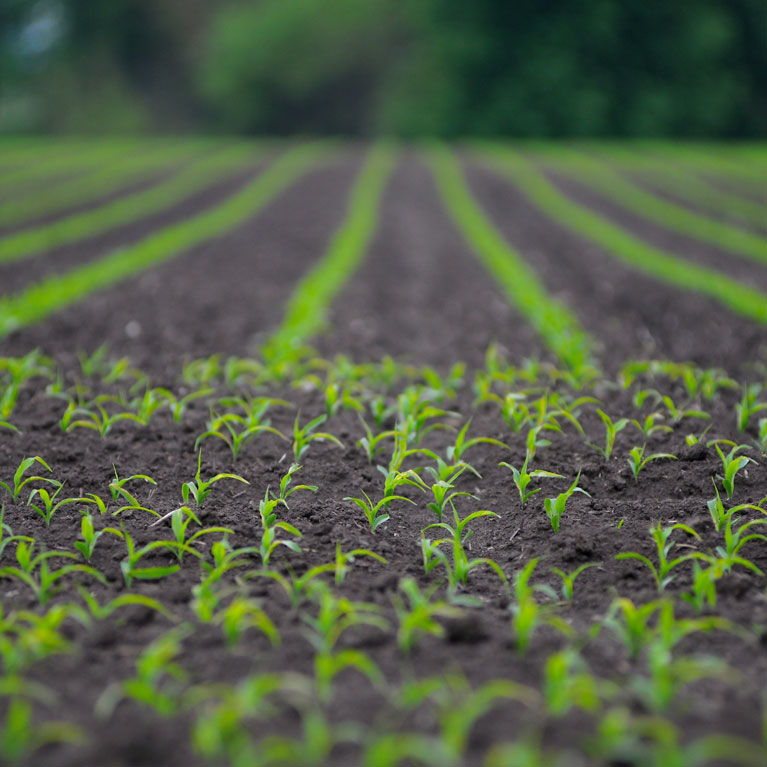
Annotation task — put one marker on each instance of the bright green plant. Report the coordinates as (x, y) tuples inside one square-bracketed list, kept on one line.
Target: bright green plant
[(567, 684), (129, 565), (225, 428), (555, 507), (568, 579), (304, 435), (637, 459), (159, 680), (371, 444), (460, 567), (612, 428), (20, 482), (662, 574), (286, 491), (748, 405), (48, 505), (648, 427), (35, 572), (90, 536), (731, 465), (200, 488), (372, 510), (678, 414), (455, 452), (527, 614), (418, 615), (270, 527)]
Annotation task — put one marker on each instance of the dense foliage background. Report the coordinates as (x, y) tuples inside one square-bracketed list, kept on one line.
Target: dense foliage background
[(403, 67)]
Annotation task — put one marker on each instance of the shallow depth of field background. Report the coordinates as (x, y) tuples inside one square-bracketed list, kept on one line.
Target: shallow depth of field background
[(450, 68)]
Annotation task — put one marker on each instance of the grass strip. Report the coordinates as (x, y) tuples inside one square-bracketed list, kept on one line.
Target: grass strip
[(663, 266), (181, 185), (556, 324), (50, 295), (306, 310), (685, 185), (610, 184), (64, 193)]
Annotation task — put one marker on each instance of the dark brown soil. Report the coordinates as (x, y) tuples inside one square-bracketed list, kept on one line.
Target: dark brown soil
[(422, 297)]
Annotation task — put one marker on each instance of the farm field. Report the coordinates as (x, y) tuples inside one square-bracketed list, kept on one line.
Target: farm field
[(348, 454)]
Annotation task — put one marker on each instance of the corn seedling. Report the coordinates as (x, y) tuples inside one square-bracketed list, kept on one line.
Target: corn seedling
[(527, 615), (102, 612), (372, 511), (555, 507), (735, 539), (637, 459), (20, 482), (748, 405), (118, 490), (418, 615), (90, 536), (6, 534), (304, 435), (95, 417), (647, 428), (678, 414), (731, 465), (224, 427), (460, 445), (180, 519), (200, 488), (443, 491), (761, 439), (461, 566), (523, 477), (242, 614), (158, 681), (567, 684), (286, 491), (129, 565), (612, 428), (270, 526), (662, 574), (667, 675), (568, 579), (35, 572), (371, 444), (48, 505)]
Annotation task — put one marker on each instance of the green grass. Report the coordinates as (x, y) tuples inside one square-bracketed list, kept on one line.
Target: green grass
[(617, 242), (182, 184), (559, 328), (306, 311), (617, 189), (52, 294)]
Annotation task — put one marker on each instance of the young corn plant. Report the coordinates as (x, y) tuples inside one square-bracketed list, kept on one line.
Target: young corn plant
[(372, 444), (418, 616), (118, 490), (527, 614), (95, 416), (443, 490), (460, 567), (129, 566), (748, 405), (523, 477), (270, 528), (637, 460), (179, 405), (158, 682), (737, 537), (647, 428), (567, 684), (612, 428), (461, 444), (678, 414), (90, 536), (662, 574), (304, 435), (35, 572), (373, 511), (731, 465), (225, 428), (568, 579), (286, 491), (180, 520), (48, 505), (555, 507), (20, 481), (200, 488)]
